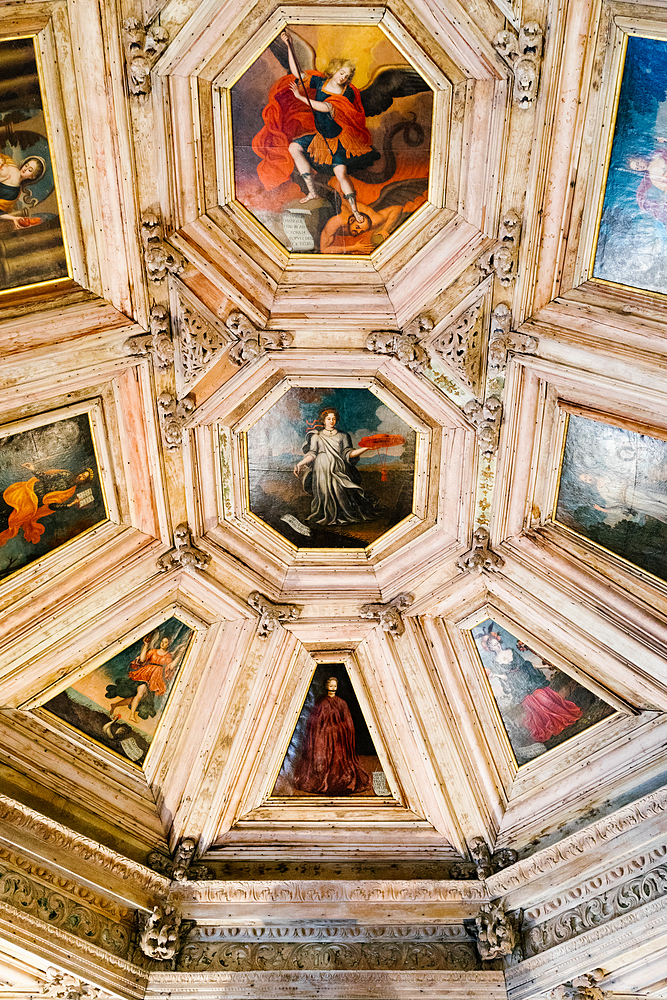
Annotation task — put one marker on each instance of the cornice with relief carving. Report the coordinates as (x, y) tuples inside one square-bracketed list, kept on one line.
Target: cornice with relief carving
[(377, 890)]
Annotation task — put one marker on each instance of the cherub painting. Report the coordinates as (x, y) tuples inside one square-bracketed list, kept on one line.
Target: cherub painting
[(334, 154), (32, 248)]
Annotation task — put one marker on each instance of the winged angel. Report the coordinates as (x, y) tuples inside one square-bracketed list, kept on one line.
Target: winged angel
[(316, 122)]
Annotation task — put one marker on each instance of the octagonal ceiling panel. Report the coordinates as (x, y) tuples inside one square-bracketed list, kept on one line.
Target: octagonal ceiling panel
[(296, 164)]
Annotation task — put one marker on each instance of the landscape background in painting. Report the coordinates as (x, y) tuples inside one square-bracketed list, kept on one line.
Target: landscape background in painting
[(613, 490), (365, 748), (86, 707), (393, 187), (60, 453), (275, 445), (518, 688), (632, 242), (34, 252)]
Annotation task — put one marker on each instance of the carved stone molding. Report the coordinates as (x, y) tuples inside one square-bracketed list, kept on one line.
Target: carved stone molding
[(180, 869), (200, 342), (160, 257), (480, 556), (580, 988), (597, 910), (498, 933), (59, 984), (330, 931), (156, 344), (523, 54), (502, 339), (159, 933), (173, 414), (142, 47), (389, 615), (460, 346), (404, 345), (486, 417), (184, 554), (251, 343), (333, 890), (487, 863), (270, 614), (57, 836), (503, 259)]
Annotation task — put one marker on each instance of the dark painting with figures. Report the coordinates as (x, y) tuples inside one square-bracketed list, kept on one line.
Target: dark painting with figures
[(32, 247), (540, 706), (121, 703), (50, 490), (632, 241), (331, 752), (613, 490), (331, 468), (331, 133)]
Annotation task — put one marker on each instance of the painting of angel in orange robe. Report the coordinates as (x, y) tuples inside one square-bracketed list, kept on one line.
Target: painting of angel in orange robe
[(39, 496)]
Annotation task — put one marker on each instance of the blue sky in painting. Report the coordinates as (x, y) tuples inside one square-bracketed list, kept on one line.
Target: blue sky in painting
[(632, 244)]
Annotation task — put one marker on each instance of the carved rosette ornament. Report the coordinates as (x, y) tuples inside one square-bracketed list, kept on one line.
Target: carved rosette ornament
[(159, 933), (270, 614), (460, 346), (184, 554), (503, 339), (251, 343), (405, 345), (180, 868), (581, 988), (142, 47), (523, 55), (173, 414), (389, 615), (158, 343), (486, 417), (160, 258), (498, 933), (503, 259), (480, 556)]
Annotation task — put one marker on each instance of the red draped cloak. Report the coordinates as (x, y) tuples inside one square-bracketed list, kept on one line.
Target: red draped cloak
[(153, 670), (329, 764)]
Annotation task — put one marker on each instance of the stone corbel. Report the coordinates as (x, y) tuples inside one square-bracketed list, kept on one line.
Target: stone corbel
[(498, 933), (486, 417), (502, 339), (173, 414), (487, 863), (460, 346), (156, 344), (142, 47), (480, 556), (581, 988), (184, 553), (251, 343), (180, 868), (503, 259), (405, 345), (270, 614), (159, 933), (389, 615), (160, 258), (523, 55)]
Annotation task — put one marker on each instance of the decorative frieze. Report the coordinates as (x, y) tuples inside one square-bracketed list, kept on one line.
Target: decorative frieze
[(480, 556), (160, 257), (271, 615), (184, 555), (405, 345), (389, 616), (523, 54), (498, 933), (333, 891), (142, 46), (460, 346), (486, 417), (503, 339), (180, 869), (251, 343), (159, 933), (330, 931), (580, 988), (503, 258), (156, 344), (173, 414)]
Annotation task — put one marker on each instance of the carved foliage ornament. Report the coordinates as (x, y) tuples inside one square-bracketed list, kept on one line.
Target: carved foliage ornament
[(184, 554), (498, 932), (404, 345), (487, 863), (502, 339), (270, 614), (251, 343), (503, 259), (199, 342), (173, 414), (156, 344), (460, 346), (142, 47), (159, 933), (62, 984), (581, 988), (160, 258), (480, 556), (486, 417), (523, 54), (389, 615), (180, 869)]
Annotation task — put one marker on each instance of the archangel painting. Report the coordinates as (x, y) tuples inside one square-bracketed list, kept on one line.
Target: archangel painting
[(32, 248), (331, 468), (540, 706), (121, 703), (50, 488), (331, 132), (613, 490), (331, 752), (632, 241)]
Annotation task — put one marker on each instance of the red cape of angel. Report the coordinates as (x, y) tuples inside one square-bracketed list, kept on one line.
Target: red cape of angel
[(27, 510), (548, 713), (153, 670), (286, 119), (329, 764)]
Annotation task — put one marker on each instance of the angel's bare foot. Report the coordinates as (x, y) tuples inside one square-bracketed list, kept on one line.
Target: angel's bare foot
[(309, 197)]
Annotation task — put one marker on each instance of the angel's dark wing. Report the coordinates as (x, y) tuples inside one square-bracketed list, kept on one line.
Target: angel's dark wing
[(399, 81), (401, 192), (305, 55)]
